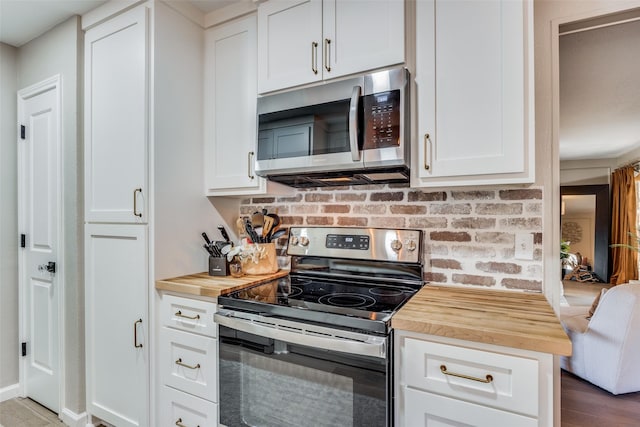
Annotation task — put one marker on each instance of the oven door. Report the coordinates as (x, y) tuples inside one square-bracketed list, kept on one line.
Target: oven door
[(278, 373)]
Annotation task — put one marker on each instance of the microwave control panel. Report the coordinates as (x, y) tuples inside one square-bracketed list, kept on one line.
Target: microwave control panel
[(382, 120)]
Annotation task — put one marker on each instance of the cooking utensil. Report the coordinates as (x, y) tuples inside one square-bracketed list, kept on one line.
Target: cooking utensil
[(224, 233), (251, 232), (276, 222), (240, 228), (257, 220), (281, 232), (268, 226)]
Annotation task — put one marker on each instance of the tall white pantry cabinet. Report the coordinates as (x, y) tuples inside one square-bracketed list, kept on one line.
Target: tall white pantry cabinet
[(144, 209)]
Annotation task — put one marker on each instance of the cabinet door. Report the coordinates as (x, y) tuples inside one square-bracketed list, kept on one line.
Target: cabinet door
[(182, 409), (474, 79), (289, 43), (428, 409), (361, 35), (230, 108), (116, 119), (116, 323)]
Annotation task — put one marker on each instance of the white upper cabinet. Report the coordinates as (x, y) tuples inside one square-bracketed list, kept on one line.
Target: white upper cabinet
[(230, 108), (289, 43), (474, 76), (361, 35), (230, 124), (116, 119), (304, 41)]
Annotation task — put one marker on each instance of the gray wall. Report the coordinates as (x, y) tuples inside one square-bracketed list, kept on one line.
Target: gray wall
[(59, 51), (8, 220)]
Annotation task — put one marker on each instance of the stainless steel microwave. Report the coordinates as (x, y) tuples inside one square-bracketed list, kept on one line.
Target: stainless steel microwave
[(353, 131)]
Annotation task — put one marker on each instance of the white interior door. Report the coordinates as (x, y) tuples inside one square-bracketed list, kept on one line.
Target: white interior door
[(39, 193)]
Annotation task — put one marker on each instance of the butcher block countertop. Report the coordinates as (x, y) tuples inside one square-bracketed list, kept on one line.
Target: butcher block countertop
[(512, 319), (202, 284)]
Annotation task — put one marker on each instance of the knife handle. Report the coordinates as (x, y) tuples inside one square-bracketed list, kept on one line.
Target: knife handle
[(224, 233), (206, 238)]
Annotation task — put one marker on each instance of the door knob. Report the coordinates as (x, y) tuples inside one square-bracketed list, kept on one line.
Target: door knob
[(49, 267)]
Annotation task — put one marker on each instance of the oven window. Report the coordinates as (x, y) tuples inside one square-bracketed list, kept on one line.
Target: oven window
[(270, 383)]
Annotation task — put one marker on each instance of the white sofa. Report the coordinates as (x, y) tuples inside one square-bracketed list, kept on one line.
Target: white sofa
[(606, 349)]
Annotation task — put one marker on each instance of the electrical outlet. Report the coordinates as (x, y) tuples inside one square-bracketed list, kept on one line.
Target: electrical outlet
[(524, 246)]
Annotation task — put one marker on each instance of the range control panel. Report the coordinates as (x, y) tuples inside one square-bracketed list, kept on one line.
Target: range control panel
[(344, 241), (377, 244)]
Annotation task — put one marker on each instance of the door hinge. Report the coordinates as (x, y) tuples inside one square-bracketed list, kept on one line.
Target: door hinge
[(23, 132), (23, 240), (24, 349)]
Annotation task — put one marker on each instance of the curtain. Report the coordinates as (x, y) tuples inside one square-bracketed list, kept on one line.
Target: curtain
[(623, 222)]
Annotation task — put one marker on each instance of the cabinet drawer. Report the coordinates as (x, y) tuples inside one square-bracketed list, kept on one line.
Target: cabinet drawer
[(513, 385), (188, 362), (178, 408), (188, 315), (427, 409)]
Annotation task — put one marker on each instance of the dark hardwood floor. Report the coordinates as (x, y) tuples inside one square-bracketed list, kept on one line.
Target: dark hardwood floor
[(585, 405)]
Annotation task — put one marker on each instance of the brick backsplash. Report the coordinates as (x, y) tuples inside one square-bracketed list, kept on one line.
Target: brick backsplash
[(469, 234)]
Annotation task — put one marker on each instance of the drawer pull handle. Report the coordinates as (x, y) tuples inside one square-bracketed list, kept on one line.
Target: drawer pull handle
[(179, 362), (485, 380), (179, 314), (135, 333), (179, 423)]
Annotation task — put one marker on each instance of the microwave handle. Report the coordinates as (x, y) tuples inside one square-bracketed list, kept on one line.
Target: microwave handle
[(353, 123)]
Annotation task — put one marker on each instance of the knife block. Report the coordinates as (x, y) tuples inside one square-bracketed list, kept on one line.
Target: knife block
[(218, 266)]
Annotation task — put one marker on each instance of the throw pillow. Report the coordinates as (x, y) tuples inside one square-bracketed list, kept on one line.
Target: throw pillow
[(595, 303)]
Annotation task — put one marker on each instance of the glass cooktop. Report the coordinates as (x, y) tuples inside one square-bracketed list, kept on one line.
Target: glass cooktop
[(347, 304)]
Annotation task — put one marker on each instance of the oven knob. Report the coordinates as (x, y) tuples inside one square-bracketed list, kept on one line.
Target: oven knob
[(396, 245), (304, 241), (294, 240), (411, 245)]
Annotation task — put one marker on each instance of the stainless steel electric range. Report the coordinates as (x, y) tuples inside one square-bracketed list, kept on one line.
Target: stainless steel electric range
[(314, 347)]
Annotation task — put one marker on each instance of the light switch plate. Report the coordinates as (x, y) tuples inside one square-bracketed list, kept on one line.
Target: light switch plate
[(524, 246)]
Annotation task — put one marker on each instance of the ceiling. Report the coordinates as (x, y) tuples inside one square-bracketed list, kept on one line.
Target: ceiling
[(23, 20), (600, 91)]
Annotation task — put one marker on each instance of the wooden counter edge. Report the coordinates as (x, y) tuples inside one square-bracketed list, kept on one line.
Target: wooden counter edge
[(560, 346), (178, 285), (557, 342)]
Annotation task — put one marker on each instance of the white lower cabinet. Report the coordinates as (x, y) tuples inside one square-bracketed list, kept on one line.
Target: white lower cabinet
[(428, 409), (450, 382), (116, 323), (183, 409), (187, 362)]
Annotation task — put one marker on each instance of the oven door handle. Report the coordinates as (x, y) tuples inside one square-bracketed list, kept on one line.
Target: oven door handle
[(371, 345)]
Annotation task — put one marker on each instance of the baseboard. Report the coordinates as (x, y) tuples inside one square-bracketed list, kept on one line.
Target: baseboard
[(72, 419), (9, 392)]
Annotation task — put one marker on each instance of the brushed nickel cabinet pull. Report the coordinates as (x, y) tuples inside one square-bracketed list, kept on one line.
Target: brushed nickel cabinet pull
[(249, 157), (135, 333), (485, 380), (327, 54), (181, 363), (427, 145), (179, 423), (314, 57), (184, 316), (135, 203)]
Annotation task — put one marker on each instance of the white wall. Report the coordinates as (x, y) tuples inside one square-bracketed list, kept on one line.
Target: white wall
[(59, 52), (8, 221)]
